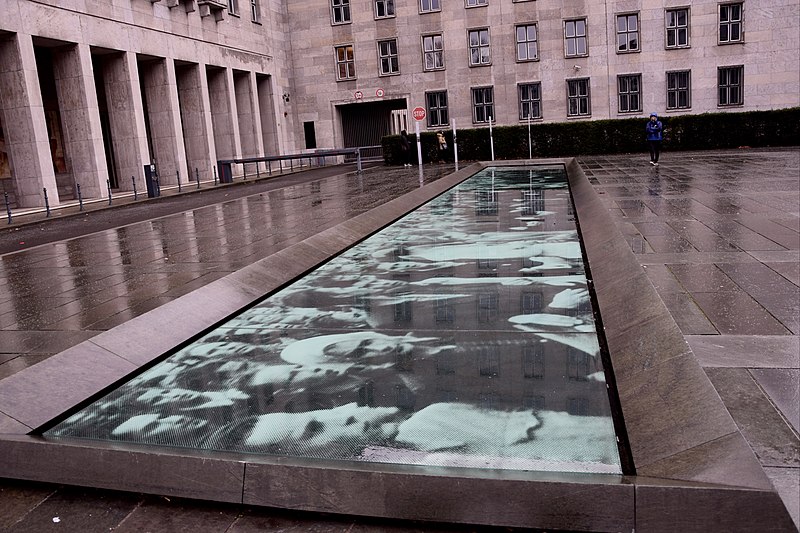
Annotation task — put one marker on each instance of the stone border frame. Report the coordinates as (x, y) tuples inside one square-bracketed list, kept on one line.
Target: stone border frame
[(694, 470)]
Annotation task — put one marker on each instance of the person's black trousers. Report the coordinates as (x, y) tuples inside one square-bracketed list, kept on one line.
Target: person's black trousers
[(655, 150)]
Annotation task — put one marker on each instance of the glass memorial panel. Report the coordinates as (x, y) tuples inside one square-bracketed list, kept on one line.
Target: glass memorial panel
[(399, 351)]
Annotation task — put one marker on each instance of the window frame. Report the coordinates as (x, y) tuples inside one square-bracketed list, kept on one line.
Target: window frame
[(627, 32), (430, 112), (386, 4), (255, 11), (468, 4), (233, 7), (345, 62), (433, 36), (740, 85), (638, 109), (480, 47), (521, 102), (535, 41), (430, 9), (677, 90), (729, 24), (483, 104), (381, 57), (579, 98), (585, 37), (342, 6), (676, 28)]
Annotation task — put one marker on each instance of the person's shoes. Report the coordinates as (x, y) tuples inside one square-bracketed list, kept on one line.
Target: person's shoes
[(653, 163)]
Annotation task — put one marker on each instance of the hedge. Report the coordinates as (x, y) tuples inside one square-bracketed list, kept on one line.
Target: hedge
[(681, 132)]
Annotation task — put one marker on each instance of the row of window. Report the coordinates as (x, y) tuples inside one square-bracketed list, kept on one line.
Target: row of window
[(629, 90), (676, 22), (527, 42), (255, 9)]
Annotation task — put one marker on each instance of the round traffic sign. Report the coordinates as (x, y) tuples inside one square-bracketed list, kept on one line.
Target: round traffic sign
[(379, 93), (418, 113), (359, 95)]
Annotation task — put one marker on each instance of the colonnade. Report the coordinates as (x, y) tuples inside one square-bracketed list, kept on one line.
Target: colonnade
[(76, 114)]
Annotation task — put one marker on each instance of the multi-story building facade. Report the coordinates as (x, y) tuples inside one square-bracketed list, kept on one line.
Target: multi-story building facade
[(510, 60), (91, 91)]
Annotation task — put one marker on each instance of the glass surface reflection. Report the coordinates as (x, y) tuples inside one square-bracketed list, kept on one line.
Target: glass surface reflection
[(461, 335)]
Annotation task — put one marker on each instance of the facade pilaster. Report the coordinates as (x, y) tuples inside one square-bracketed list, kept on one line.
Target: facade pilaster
[(24, 123), (126, 116), (80, 118)]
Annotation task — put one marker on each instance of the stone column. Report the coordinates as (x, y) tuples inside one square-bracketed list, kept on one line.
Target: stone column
[(166, 135), (126, 115), (266, 106), (80, 117), (223, 111), (195, 116), (24, 122), (247, 118)]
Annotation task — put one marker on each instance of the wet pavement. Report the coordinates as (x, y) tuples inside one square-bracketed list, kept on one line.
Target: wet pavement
[(717, 232)]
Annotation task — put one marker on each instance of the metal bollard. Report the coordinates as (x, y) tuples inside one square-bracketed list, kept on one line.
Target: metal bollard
[(269, 163), (80, 197), (244, 171), (280, 162), (108, 186), (258, 170), (215, 175), (197, 176), (135, 195), (358, 160), (8, 207), (46, 202), (291, 165), (178, 173)]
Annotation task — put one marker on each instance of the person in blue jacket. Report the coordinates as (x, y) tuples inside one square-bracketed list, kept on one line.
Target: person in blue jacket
[(654, 130)]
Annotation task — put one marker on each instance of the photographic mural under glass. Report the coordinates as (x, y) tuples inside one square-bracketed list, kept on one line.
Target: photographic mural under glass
[(461, 335)]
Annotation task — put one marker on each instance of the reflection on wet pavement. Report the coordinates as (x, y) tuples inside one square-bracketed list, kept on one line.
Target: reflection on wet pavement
[(95, 282)]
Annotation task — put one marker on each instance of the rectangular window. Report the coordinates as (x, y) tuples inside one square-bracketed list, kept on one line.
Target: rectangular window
[(578, 103), (479, 47), (255, 11), (533, 362), (433, 52), (575, 38), (384, 8), (530, 100), (532, 202), (679, 90), (628, 33), (488, 361), (482, 104), (730, 86), (527, 43), (437, 108), (340, 11), (577, 365), (677, 21), (387, 56), (629, 89), (488, 307), (730, 23), (345, 63), (426, 6), (476, 3), (233, 7)]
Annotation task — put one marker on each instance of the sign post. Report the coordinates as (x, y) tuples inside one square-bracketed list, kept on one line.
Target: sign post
[(419, 114), (491, 137), (455, 144)]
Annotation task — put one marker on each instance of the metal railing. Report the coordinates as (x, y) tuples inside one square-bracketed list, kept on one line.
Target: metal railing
[(256, 167)]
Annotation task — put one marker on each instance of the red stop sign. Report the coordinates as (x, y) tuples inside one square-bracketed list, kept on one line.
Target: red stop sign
[(418, 113)]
